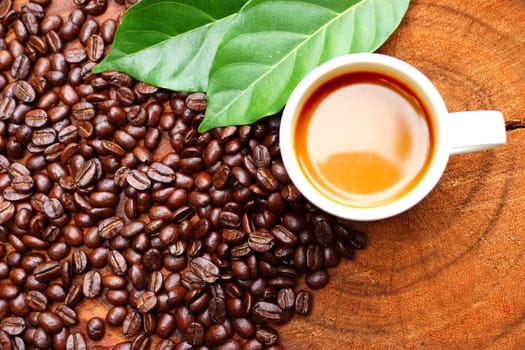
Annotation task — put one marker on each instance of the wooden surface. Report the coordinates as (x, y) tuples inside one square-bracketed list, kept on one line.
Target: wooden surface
[(448, 273)]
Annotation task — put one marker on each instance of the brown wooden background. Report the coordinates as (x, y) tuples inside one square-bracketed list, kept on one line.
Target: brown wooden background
[(450, 272)]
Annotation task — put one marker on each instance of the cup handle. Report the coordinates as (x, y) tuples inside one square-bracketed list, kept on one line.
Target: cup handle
[(474, 131)]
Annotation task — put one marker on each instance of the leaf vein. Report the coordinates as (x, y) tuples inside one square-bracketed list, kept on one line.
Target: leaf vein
[(285, 57)]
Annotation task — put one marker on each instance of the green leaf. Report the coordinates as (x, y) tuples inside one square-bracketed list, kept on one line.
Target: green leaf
[(272, 44), (170, 43)]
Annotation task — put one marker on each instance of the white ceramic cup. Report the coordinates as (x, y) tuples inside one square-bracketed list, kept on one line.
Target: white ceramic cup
[(454, 133)]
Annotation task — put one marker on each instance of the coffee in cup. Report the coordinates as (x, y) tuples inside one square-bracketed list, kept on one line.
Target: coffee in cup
[(367, 136)]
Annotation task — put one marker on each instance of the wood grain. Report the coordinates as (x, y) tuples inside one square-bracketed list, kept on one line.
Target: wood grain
[(448, 273)]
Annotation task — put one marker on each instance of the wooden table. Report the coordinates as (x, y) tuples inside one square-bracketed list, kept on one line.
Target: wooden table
[(448, 273)]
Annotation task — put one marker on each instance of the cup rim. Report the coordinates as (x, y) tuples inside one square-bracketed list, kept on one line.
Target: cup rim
[(408, 75)]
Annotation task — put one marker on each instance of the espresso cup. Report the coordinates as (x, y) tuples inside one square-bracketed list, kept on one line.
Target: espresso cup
[(367, 136)]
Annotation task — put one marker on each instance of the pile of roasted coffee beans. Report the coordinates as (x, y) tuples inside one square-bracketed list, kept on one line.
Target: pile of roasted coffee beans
[(109, 193)]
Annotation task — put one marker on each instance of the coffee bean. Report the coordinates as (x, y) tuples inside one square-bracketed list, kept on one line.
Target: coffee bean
[(36, 300), (89, 27), (92, 285), (7, 107), (95, 328), (36, 118), (47, 271), (265, 312), (138, 180), (68, 315), (267, 335), (74, 296), (261, 241), (314, 257), (80, 261), (303, 303), (161, 173), (132, 324), (110, 227), (141, 342), (107, 30), (146, 301), (38, 337), (115, 316), (217, 309), (23, 91), (216, 335), (13, 325), (76, 341), (20, 69), (317, 279), (50, 322), (196, 101), (205, 269), (7, 211), (117, 263)]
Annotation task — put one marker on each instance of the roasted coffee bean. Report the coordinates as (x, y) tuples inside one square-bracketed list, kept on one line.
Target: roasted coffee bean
[(37, 337), (89, 27), (286, 298), (165, 325), (92, 284), (50, 322), (36, 118), (138, 180), (13, 325), (117, 263), (54, 42), (83, 111), (74, 296), (195, 333), (79, 261), (47, 271), (7, 107), (205, 269), (23, 91), (116, 315), (110, 227), (76, 341), (37, 44), (53, 208), (36, 300), (196, 101), (303, 302), (7, 211), (141, 342), (261, 241), (317, 279), (107, 30), (216, 335), (161, 173), (20, 68), (314, 257), (265, 312), (68, 315), (50, 22), (132, 324), (146, 301), (267, 335), (8, 291), (217, 309), (95, 328)]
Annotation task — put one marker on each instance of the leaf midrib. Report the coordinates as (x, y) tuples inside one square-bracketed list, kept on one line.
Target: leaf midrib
[(289, 54)]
